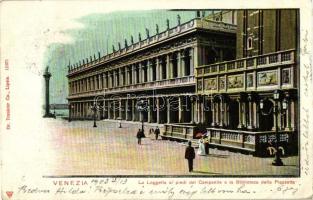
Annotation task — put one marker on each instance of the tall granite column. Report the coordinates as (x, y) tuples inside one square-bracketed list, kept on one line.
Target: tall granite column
[(47, 76)]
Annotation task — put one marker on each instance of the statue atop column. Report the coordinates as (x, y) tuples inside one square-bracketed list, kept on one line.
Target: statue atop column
[(113, 48), (178, 20), (203, 13), (147, 33), (157, 28), (126, 43), (198, 13), (167, 24), (131, 39), (119, 45), (139, 37), (47, 76)]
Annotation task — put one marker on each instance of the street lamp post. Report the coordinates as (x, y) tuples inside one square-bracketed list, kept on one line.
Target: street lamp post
[(70, 107), (277, 160), (54, 114), (141, 109), (94, 109)]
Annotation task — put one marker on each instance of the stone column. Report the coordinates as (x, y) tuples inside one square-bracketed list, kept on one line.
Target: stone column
[(250, 126), (158, 109), (202, 102), (99, 81), (109, 79), (87, 81), (293, 116), (114, 109), (180, 109), (255, 115), (140, 73), (149, 111), (109, 109), (240, 114), (104, 79), (133, 67), (288, 121), (280, 121), (244, 110), (133, 110), (157, 68), (192, 110), (126, 110), (168, 110), (149, 70), (161, 62), (95, 83), (179, 64), (120, 110), (182, 61), (128, 75), (198, 110), (213, 112), (193, 60), (168, 67)]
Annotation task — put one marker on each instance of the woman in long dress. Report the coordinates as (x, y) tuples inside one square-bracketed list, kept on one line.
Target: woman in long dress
[(201, 149)]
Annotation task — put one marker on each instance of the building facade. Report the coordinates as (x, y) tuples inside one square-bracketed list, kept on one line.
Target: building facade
[(267, 62), (186, 79)]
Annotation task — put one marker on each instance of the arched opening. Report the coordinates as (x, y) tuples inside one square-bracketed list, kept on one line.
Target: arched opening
[(266, 120)]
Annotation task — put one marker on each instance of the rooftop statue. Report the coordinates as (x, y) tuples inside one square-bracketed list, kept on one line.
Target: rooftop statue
[(178, 19), (168, 24), (139, 36), (126, 43), (147, 33)]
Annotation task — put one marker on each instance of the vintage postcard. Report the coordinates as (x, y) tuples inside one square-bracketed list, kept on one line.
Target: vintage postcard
[(156, 99)]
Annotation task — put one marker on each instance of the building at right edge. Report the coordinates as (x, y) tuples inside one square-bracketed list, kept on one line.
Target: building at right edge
[(245, 101)]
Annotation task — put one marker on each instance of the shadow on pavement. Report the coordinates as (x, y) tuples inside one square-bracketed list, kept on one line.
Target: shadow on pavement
[(201, 172), (218, 155)]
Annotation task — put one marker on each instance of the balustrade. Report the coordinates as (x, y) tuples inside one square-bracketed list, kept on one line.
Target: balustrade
[(246, 140), (256, 61), (159, 83)]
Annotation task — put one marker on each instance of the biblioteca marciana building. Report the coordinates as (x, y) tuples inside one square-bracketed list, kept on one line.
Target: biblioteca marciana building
[(232, 75)]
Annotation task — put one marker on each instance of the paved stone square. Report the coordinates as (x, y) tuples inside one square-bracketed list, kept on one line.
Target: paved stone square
[(80, 149)]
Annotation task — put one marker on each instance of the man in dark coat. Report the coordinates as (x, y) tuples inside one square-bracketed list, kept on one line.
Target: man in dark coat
[(157, 133), (190, 155), (139, 136)]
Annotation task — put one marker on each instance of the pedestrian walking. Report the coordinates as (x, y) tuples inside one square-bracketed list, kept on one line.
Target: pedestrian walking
[(201, 149), (139, 136), (157, 133), (190, 155)]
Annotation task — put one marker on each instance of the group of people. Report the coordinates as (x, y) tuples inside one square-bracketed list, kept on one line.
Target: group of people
[(190, 151), (140, 134)]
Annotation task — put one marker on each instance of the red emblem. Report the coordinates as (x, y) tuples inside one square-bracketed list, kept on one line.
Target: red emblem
[(9, 193)]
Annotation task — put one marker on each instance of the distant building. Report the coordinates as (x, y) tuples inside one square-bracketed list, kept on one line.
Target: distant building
[(188, 80)]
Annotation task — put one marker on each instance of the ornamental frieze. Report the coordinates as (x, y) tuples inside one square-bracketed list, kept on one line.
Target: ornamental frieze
[(267, 78), (235, 81)]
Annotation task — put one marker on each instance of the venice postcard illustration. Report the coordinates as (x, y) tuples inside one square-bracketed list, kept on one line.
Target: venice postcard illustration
[(101, 100)]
